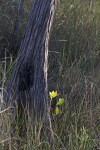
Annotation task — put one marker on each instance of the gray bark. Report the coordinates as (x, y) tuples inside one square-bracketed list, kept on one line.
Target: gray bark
[(29, 79)]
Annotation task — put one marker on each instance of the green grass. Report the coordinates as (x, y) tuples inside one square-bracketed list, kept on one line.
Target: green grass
[(73, 70)]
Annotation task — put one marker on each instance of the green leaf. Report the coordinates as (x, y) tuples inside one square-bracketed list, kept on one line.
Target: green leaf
[(57, 110), (73, 115), (61, 101)]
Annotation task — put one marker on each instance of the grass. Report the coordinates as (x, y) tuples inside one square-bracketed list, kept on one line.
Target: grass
[(74, 60), (74, 128)]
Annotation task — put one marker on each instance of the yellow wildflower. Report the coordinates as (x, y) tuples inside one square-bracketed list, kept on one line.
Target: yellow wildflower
[(53, 94)]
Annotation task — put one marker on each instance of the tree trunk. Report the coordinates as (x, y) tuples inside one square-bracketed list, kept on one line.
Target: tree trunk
[(28, 83)]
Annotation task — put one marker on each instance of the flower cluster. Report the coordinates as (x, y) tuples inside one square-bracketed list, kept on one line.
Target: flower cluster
[(60, 101)]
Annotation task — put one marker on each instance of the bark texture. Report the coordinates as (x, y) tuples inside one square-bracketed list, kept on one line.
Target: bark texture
[(29, 79)]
